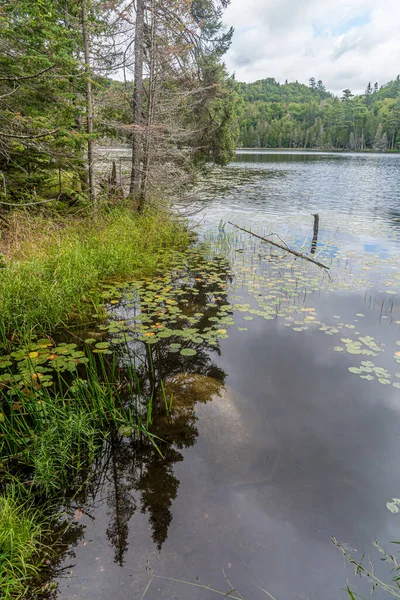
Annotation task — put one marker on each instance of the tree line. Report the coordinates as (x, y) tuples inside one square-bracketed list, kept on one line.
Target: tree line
[(74, 73), (293, 115)]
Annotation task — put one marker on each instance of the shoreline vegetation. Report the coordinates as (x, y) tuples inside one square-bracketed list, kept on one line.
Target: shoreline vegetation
[(53, 268), (53, 264), (71, 222), (294, 115)]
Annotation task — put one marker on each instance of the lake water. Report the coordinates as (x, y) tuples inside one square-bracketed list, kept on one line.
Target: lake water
[(274, 445)]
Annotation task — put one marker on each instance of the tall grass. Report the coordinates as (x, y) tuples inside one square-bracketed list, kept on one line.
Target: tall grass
[(54, 266), (21, 532), (49, 439), (55, 433)]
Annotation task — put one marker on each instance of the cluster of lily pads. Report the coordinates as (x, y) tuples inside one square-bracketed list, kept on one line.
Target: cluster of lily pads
[(367, 370), (187, 305), (37, 364)]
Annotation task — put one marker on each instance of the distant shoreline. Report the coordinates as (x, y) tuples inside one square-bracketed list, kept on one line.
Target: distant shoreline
[(337, 150)]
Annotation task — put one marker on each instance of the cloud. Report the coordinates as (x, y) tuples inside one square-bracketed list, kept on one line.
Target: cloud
[(346, 43)]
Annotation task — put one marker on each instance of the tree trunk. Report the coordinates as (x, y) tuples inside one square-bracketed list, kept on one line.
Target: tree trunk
[(137, 100), (150, 108), (315, 236), (89, 102)]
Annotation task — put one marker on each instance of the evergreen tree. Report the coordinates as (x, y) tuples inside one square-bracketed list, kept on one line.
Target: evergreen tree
[(347, 95)]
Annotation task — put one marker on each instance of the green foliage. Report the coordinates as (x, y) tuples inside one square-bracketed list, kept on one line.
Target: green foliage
[(41, 78), (63, 449), (218, 115), (296, 116), (56, 274), (56, 431), (21, 531), (49, 439), (43, 115), (269, 90)]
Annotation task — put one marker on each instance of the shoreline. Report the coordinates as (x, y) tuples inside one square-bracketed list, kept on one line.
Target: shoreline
[(318, 150)]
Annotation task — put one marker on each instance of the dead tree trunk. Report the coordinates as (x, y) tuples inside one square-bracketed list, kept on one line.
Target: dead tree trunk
[(89, 101), (137, 100), (150, 107), (285, 248), (315, 237)]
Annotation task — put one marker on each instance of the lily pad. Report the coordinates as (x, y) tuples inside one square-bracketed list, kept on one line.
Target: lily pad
[(188, 352), (102, 345)]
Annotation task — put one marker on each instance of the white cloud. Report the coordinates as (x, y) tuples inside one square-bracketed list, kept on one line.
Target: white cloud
[(346, 43)]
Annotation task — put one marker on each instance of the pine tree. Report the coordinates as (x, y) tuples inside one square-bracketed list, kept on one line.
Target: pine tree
[(347, 95)]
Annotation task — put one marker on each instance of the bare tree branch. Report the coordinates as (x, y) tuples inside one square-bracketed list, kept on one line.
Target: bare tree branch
[(24, 77), (28, 137)]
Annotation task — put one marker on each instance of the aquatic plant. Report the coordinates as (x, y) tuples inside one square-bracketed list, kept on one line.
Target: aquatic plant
[(391, 587), (208, 290)]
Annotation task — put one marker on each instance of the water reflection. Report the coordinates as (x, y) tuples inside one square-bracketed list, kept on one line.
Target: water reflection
[(272, 445), (137, 473)]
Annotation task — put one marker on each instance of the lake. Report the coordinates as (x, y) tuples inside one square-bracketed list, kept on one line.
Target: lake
[(271, 445)]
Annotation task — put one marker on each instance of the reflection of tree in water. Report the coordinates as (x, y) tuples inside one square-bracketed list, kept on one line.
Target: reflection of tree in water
[(120, 476), (158, 487), (137, 475)]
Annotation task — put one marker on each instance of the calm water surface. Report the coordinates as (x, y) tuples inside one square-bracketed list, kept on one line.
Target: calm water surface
[(274, 446)]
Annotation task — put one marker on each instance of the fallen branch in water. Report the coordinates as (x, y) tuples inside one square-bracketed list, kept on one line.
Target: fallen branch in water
[(298, 254)]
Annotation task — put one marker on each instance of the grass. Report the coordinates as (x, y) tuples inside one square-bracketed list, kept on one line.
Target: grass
[(390, 585), (21, 532), (49, 441), (55, 433), (55, 265)]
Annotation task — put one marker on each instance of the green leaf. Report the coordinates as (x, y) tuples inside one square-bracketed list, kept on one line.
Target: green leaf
[(188, 352), (102, 345)]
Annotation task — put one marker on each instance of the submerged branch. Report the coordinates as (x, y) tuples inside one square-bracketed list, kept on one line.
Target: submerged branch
[(298, 254)]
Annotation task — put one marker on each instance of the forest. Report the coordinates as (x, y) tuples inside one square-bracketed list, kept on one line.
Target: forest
[(293, 115), (66, 87)]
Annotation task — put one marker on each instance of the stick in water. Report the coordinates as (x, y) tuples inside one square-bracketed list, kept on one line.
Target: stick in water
[(298, 254)]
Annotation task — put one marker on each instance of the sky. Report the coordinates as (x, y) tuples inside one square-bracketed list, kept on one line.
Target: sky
[(346, 43)]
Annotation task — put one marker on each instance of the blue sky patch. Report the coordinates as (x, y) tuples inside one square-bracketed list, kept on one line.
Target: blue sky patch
[(358, 21)]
